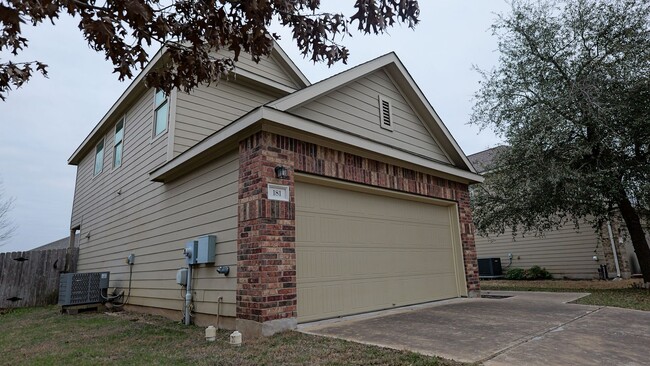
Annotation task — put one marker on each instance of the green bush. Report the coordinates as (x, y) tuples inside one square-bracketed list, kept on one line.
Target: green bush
[(516, 274), (533, 273), (538, 273)]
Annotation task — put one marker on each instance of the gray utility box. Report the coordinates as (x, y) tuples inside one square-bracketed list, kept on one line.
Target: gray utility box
[(201, 251), (82, 288), (206, 249)]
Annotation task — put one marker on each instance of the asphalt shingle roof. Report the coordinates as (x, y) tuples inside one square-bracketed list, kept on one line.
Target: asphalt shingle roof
[(482, 160)]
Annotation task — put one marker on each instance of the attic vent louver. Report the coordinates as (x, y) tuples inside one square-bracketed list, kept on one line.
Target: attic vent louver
[(385, 114)]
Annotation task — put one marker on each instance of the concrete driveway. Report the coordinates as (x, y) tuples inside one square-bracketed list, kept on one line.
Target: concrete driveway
[(528, 328)]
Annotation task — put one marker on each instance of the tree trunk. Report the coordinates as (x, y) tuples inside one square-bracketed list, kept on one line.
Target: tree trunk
[(633, 223)]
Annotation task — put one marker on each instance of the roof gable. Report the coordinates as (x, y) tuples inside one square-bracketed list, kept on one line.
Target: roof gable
[(483, 161), (277, 68), (404, 85), (277, 72), (355, 108)]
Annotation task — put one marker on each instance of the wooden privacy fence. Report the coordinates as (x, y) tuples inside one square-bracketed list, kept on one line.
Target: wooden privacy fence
[(32, 278)]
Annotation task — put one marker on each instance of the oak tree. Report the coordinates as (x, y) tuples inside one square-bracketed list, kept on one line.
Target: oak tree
[(192, 31), (571, 96)]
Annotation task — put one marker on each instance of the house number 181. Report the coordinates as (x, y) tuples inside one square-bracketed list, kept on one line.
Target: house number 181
[(278, 192)]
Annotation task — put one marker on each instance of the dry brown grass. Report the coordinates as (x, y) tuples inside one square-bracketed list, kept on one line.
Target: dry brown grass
[(560, 284), (42, 336), (623, 293)]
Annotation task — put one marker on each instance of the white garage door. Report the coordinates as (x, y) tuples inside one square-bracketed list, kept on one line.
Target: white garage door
[(360, 251)]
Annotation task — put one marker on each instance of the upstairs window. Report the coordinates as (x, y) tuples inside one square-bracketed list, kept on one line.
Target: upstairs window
[(385, 114), (119, 144), (99, 157), (161, 112)]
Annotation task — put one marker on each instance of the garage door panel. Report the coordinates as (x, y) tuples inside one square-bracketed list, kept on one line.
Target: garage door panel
[(327, 264), (330, 264), (322, 300), (358, 252)]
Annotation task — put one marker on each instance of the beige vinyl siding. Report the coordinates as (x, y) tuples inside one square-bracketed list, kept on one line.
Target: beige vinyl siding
[(355, 108), (122, 212), (267, 68), (209, 108), (564, 252)]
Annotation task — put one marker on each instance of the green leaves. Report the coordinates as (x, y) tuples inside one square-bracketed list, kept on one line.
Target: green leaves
[(570, 95)]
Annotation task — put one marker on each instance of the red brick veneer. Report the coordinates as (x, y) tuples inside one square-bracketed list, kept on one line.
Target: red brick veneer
[(266, 286)]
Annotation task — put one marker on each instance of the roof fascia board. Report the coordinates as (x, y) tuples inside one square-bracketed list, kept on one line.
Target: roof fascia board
[(76, 157), (305, 95), (138, 82), (403, 72), (292, 121), (166, 171), (288, 64), (274, 85), (426, 122), (301, 134), (398, 74), (202, 151)]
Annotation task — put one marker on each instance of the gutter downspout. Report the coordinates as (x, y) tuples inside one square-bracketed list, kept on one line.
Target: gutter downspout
[(611, 240)]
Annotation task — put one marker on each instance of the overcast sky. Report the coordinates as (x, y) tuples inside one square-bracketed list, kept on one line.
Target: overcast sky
[(42, 123)]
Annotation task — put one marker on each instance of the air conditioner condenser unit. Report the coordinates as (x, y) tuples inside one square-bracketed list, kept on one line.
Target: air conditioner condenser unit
[(83, 288)]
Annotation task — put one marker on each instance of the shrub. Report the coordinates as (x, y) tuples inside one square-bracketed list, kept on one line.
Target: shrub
[(538, 273), (516, 274), (533, 273)]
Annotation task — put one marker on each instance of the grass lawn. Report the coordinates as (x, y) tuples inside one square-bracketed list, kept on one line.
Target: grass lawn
[(43, 336), (604, 293)]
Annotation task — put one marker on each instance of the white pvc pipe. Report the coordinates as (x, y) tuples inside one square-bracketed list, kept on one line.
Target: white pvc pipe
[(611, 240)]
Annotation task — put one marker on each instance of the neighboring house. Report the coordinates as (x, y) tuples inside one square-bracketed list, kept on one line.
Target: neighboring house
[(59, 244), (565, 253), (376, 212)]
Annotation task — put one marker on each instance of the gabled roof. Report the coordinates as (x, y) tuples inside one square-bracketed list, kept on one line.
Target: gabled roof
[(138, 86), (59, 244), (403, 80), (483, 160), (287, 63), (275, 116)]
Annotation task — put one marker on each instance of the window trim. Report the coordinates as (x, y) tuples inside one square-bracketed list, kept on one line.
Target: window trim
[(103, 143), (123, 122), (156, 107), (390, 126)]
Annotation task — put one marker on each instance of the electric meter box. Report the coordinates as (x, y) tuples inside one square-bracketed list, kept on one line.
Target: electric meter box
[(206, 249), (181, 277), (190, 252)]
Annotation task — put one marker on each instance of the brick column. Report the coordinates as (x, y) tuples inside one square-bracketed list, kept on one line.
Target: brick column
[(467, 238), (266, 258)]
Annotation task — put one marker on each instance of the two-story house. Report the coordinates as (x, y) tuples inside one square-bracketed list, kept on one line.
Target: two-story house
[(370, 208)]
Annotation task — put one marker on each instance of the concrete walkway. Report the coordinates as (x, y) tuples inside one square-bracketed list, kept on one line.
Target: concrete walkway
[(528, 328)]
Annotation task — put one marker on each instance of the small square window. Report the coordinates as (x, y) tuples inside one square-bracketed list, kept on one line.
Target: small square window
[(119, 144), (161, 113), (99, 157)]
